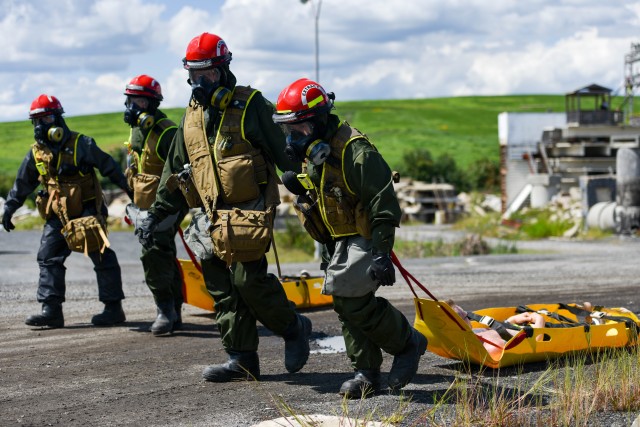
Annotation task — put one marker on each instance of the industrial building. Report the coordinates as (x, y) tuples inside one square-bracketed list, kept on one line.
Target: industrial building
[(590, 152)]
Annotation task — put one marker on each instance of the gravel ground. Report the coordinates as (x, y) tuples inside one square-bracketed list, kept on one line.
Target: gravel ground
[(82, 375)]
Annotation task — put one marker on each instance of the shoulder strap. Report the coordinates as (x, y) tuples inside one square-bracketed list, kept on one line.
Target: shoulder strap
[(499, 327), (202, 169)]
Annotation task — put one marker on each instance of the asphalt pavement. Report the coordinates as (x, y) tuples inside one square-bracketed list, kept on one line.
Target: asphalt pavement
[(81, 375)]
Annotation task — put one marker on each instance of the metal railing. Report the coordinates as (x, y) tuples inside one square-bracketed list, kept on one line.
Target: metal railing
[(597, 117)]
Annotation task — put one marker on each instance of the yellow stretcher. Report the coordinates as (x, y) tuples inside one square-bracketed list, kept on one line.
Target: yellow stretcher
[(303, 291), (449, 336)]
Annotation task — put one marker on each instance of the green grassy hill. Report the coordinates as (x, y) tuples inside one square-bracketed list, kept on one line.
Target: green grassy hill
[(464, 127)]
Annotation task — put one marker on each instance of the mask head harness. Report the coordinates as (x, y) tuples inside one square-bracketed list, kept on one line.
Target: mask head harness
[(207, 61)]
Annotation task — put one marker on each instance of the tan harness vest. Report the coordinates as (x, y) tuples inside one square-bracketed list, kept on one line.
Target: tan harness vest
[(67, 195), (82, 186), (232, 170), (143, 175), (149, 162), (340, 208), (230, 167)]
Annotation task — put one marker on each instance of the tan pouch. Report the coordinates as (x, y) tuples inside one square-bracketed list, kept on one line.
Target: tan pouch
[(312, 221), (238, 179), (67, 196), (260, 169), (145, 187), (240, 236), (85, 235), (41, 205), (129, 173), (187, 189)]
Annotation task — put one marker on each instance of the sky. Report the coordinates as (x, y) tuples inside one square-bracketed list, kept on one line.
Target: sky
[(85, 51)]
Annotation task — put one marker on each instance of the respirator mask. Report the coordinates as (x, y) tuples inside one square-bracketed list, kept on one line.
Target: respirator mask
[(207, 92), (303, 143), (44, 129), (136, 116)]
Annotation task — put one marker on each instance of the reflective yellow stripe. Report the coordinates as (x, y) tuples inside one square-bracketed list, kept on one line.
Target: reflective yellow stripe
[(244, 111), (75, 153), (163, 132), (316, 101), (344, 178), (128, 143), (323, 211)]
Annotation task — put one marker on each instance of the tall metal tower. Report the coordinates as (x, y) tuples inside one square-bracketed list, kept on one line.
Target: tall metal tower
[(631, 82)]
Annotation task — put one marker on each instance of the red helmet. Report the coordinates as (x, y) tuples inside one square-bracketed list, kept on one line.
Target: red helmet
[(144, 85), (206, 51), (45, 105), (302, 100)]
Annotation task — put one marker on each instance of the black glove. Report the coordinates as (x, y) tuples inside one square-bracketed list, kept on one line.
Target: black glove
[(381, 269), (146, 229), (6, 220)]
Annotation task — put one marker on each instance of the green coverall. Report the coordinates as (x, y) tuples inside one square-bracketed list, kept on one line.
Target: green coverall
[(369, 323), (161, 270), (245, 292)]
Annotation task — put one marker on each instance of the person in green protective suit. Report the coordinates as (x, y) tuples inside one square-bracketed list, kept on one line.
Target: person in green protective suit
[(356, 213), (148, 146), (222, 160)]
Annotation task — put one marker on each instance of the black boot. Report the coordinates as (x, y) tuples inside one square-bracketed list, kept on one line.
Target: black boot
[(177, 325), (111, 315), (241, 366), (296, 343), (405, 363), (50, 316), (166, 319), (365, 383)]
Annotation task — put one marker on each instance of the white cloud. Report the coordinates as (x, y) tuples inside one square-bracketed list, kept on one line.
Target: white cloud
[(84, 51)]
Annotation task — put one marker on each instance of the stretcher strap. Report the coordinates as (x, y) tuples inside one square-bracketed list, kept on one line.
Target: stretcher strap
[(544, 311), (598, 315), (275, 252), (408, 276), (499, 327)]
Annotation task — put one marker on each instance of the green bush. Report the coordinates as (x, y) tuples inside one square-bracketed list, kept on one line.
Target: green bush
[(482, 174)]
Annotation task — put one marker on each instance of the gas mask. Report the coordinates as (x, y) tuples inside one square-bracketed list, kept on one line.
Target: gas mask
[(135, 116), (45, 129), (208, 93), (300, 146)]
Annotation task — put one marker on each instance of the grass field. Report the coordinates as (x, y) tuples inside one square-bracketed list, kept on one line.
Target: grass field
[(464, 127)]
